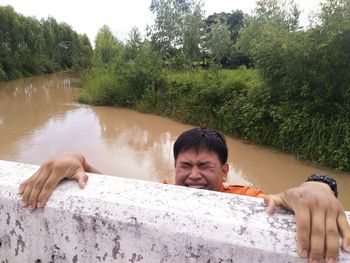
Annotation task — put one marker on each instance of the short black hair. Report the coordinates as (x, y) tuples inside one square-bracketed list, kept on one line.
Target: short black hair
[(202, 138)]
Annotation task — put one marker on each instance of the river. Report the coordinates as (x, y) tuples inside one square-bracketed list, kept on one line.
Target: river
[(39, 119)]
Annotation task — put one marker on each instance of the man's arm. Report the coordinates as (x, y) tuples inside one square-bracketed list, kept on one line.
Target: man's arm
[(320, 220), (37, 189)]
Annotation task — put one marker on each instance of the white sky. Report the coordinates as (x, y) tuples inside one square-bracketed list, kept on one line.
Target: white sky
[(121, 15)]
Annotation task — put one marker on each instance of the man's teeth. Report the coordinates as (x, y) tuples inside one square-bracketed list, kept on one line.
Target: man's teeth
[(197, 186)]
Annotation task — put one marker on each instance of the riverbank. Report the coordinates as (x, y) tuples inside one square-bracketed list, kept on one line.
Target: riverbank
[(237, 102)]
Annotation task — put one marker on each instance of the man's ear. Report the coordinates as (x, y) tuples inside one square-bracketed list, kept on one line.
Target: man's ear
[(225, 169)]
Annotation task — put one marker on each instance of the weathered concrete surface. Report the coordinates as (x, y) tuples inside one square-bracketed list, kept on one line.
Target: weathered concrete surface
[(124, 220)]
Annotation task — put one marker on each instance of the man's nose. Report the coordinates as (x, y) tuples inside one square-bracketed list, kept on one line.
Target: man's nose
[(195, 173)]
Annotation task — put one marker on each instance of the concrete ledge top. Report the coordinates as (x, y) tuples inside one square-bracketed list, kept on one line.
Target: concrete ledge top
[(125, 220)]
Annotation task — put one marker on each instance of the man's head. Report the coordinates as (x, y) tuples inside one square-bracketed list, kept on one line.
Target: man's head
[(201, 159)]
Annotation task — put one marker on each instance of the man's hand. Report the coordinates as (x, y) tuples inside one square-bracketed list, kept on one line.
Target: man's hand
[(320, 218), (37, 189)]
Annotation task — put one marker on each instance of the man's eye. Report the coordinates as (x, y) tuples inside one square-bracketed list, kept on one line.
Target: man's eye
[(205, 166), (185, 166)]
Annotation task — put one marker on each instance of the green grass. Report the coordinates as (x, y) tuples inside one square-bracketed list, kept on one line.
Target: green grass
[(248, 76)]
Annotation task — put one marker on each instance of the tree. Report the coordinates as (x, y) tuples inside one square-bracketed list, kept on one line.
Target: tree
[(133, 43), (283, 12), (11, 37), (177, 26), (221, 33), (218, 41), (234, 21), (82, 54), (32, 50), (107, 47), (271, 19), (192, 34), (29, 47)]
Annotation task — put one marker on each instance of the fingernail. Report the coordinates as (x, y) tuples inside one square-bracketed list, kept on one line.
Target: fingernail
[(330, 260), (304, 254), (315, 261), (39, 205), (30, 207), (23, 203)]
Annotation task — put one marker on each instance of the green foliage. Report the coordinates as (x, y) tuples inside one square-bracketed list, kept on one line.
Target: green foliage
[(3, 75), (30, 47), (234, 21), (122, 78), (306, 81), (101, 88), (143, 73), (177, 25), (107, 48), (283, 12), (196, 97), (218, 41), (220, 38), (133, 44)]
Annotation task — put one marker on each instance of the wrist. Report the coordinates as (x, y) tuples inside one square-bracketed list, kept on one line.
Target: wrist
[(326, 180)]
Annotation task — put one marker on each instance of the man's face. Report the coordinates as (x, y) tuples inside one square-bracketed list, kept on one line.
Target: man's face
[(202, 170)]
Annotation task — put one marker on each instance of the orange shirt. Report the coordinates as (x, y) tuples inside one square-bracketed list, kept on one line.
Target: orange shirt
[(242, 190)]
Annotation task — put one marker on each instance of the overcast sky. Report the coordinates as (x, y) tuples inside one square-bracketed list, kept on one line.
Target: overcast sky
[(121, 15)]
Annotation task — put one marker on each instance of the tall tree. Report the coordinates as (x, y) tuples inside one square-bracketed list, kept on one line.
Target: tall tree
[(192, 34), (82, 54), (221, 34), (106, 47), (271, 18), (29, 47), (284, 12), (133, 44), (234, 21), (177, 26), (218, 41), (11, 37)]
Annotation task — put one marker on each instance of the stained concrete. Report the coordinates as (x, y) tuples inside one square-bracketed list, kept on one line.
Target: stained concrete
[(124, 220)]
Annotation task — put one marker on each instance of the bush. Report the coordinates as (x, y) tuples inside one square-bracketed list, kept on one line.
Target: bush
[(102, 88), (3, 75)]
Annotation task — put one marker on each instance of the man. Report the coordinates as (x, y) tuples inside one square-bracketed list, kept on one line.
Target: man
[(201, 162)]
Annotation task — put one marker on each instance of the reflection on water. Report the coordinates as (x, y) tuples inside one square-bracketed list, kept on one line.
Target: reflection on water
[(39, 119)]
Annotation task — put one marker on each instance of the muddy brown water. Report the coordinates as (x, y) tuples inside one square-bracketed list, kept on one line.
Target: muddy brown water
[(39, 118)]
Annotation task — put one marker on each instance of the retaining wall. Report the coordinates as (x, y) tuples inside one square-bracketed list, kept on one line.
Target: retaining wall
[(125, 220)]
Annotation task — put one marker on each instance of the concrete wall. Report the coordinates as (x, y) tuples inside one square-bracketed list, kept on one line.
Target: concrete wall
[(125, 220)]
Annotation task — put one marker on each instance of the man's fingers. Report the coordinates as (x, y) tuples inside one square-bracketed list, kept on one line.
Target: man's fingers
[(82, 178), (37, 188), (26, 188), (344, 229), (272, 202), (318, 235), (303, 223), (22, 187), (48, 188), (25, 196), (332, 236)]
